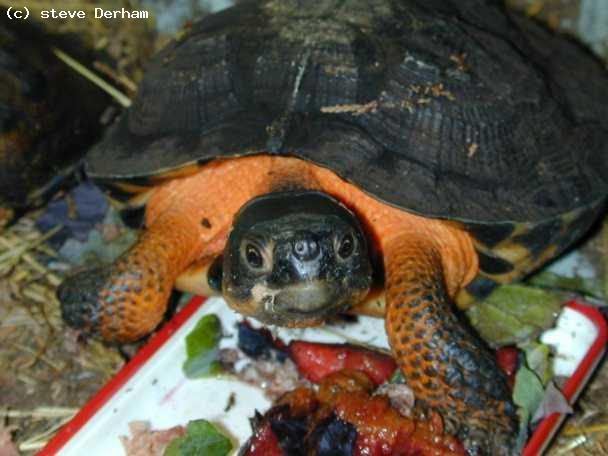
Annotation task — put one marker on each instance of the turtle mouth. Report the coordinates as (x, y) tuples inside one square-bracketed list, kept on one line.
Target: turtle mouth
[(301, 303)]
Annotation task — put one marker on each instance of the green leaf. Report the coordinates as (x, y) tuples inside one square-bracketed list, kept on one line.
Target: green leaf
[(202, 438), (397, 377), (202, 346), (538, 360), (514, 314), (528, 393), (581, 285)]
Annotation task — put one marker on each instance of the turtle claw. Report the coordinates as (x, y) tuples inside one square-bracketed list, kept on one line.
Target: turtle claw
[(122, 302), (79, 298), (483, 437), (479, 435)]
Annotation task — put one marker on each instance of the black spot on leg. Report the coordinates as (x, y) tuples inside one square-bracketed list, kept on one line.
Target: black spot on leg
[(206, 223), (431, 386), (428, 356), (430, 371), (454, 377), (474, 400), (428, 298), (457, 394)]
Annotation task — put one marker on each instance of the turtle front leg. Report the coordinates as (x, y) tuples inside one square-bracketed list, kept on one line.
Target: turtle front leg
[(446, 365), (127, 300)]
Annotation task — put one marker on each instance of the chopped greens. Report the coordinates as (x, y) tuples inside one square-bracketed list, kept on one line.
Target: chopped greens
[(202, 347), (202, 438), (578, 284), (538, 360), (528, 393), (514, 313)]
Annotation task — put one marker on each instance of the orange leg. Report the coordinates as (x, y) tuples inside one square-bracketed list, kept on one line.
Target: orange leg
[(448, 368), (187, 219), (128, 299)]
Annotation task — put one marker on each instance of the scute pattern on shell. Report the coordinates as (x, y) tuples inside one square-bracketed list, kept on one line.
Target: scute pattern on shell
[(446, 108)]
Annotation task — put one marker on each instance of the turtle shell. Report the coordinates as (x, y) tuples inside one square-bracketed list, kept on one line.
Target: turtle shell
[(446, 108)]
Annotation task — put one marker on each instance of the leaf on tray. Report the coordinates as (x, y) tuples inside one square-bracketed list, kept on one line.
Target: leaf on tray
[(514, 313), (528, 393), (587, 286), (202, 348), (201, 437), (538, 359)]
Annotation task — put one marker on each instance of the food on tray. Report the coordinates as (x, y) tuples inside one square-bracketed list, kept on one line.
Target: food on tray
[(316, 361), (346, 412), (344, 417), (338, 399), (198, 438), (144, 441)]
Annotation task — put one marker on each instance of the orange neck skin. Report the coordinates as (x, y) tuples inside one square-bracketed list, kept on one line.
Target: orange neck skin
[(207, 201)]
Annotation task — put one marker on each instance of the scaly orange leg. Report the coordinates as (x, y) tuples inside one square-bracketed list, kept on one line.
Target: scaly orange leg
[(125, 301), (446, 365), (187, 220)]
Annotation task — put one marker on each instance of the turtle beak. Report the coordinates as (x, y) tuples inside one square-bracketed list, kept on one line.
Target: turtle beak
[(305, 299)]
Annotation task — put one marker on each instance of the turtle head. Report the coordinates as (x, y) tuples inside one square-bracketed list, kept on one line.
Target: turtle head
[(294, 258)]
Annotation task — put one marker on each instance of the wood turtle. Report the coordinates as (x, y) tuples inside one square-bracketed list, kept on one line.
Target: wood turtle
[(397, 156)]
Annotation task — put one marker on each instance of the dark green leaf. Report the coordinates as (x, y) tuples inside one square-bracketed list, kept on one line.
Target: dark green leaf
[(202, 438), (514, 313), (202, 346)]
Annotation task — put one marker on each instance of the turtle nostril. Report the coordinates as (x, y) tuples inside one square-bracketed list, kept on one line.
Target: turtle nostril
[(306, 249)]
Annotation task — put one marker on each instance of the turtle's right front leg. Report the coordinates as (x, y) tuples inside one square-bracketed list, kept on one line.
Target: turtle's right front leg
[(447, 367), (187, 219), (127, 300)]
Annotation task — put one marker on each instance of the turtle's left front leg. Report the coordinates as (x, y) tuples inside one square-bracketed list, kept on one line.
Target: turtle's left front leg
[(447, 366)]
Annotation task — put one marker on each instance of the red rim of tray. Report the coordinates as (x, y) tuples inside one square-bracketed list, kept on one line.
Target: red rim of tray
[(547, 428), (122, 376), (537, 443)]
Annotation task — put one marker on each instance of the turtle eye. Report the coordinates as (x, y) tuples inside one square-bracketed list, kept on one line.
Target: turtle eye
[(253, 256), (346, 247)]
